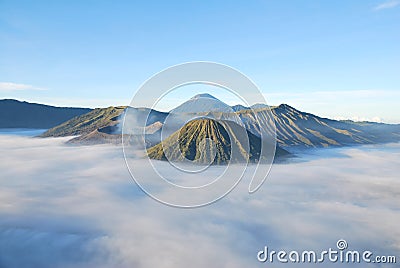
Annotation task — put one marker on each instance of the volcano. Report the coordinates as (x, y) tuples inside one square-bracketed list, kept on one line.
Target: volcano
[(209, 141)]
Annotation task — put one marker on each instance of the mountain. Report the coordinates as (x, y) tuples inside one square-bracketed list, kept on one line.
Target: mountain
[(298, 129), (202, 103), (294, 129), (190, 141), (259, 106), (21, 114), (104, 125), (94, 120), (239, 107)]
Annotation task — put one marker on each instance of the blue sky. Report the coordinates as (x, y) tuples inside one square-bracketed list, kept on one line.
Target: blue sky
[(338, 59)]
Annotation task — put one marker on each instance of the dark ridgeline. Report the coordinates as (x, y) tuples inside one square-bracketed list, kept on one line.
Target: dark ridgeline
[(17, 114)]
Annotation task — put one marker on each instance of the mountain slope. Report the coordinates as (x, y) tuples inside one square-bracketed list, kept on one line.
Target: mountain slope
[(108, 121), (84, 124), (189, 142), (112, 135), (299, 129), (17, 114)]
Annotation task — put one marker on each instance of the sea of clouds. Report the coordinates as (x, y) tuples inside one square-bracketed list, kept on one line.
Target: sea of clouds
[(68, 206)]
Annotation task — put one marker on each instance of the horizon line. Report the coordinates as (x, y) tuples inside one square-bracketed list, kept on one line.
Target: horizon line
[(167, 111)]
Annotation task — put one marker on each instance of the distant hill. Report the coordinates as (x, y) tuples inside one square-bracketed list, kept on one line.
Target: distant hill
[(18, 114), (202, 103), (189, 142), (239, 107), (259, 106)]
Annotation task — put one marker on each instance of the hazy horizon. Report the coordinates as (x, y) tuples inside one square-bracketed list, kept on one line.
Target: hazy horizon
[(168, 106)]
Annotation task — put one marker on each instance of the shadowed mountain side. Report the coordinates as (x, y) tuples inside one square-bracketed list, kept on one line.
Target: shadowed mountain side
[(18, 114), (96, 137), (190, 142), (105, 136), (116, 129)]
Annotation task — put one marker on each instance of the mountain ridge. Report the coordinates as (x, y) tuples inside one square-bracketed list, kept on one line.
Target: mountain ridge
[(294, 128), (22, 114)]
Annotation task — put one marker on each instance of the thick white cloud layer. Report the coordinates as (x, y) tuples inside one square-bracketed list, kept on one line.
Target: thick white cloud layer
[(64, 206)]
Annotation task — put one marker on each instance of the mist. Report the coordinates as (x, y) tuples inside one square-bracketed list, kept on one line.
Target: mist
[(77, 206)]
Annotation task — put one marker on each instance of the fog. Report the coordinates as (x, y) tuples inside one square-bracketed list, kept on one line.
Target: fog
[(68, 206)]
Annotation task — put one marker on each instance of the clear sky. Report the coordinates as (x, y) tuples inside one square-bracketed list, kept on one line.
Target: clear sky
[(339, 59)]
